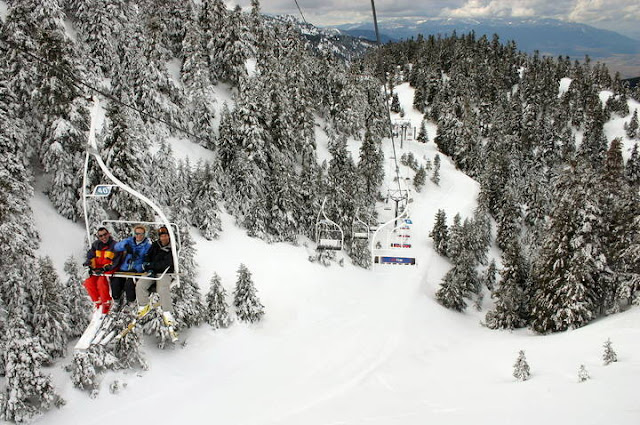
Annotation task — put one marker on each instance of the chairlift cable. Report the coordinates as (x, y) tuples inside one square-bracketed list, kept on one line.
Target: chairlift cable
[(300, 10), (80, 84), (386, 95)]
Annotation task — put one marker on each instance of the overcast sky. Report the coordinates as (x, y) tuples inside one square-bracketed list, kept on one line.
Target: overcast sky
[(622, 16)]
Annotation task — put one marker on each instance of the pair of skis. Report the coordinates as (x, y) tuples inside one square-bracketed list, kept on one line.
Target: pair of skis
[(100, 329), (141, 314)]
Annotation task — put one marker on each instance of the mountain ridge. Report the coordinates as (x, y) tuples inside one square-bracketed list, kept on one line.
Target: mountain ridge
[(550, 37)]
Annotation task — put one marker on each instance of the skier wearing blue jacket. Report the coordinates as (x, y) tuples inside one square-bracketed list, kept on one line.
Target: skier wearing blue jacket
[(136, 248)]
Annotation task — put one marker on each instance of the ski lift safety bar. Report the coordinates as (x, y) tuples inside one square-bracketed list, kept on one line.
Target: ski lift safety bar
[(92, 151)]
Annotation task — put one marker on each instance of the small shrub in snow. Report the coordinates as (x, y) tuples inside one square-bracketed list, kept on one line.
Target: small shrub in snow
[(521, 369), (609, 356), (583, 375)]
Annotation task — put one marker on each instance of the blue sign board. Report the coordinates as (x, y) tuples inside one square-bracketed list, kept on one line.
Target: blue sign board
[(102, 190), (397, 260)]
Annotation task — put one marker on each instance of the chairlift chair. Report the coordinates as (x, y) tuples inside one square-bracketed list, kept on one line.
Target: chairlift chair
[(104, 190), (360, 229), (329, 236)]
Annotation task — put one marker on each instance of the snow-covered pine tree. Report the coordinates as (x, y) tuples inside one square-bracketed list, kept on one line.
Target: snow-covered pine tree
[(491, 275), (247, 305), (632, 128), (423, 135), (198, 87), (87, 366), (451, 293), (521, 370), (370, 166), (342, 183), (125, 153), (28, 392), (206, 200), (440, 233), (360, 253), (510, 309), (609, 356), (187, 305), (163, 170), (594, 142), (395, 103), (216, 311), (127, 349), (419, 178), (632, 168), (50, 319), (569, 264), (583, 375), (435, 176), (62, 158)]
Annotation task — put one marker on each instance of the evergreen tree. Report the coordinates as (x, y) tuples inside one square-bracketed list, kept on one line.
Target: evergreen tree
[(451, 294), (440, 233), (521, 369), (164, 174), (206, 200), (632, 128), (419, 179), (583, 375), (491, 275), (423, 136), (435, 176), (632, 168), (188, 308), (570, 262), (360, 253), (62, 158), (510, 311), (217, 309), (395, 103), (125, 153), (28, 391), (609, 356), (370, 166), (50, 318), (87, 366), (245, 299)]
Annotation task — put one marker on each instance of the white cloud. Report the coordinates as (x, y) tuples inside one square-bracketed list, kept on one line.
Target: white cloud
[(492, 8), (617, 15), (592, 11)]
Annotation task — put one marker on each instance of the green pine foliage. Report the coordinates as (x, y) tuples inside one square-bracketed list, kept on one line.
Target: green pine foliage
[(521, 370), (609, 356), (216, 307), (246, 303), (27, 392)]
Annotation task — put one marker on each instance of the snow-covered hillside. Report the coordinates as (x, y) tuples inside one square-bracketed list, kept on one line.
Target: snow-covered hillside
[(343, 345)]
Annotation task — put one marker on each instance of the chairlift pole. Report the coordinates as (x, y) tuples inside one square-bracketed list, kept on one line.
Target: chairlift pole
[(92, 149)]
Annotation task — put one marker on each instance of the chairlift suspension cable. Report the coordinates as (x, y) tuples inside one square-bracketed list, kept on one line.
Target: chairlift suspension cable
[(300, 10), (386, 95), (80, 84)]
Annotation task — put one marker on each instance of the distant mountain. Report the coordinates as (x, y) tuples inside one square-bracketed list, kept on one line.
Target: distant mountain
[(549, 36)]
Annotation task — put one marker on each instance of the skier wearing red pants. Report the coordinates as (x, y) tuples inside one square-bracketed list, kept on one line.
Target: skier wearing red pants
[(102, 261)]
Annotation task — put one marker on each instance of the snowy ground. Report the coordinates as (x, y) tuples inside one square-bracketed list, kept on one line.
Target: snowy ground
[(351, 346)]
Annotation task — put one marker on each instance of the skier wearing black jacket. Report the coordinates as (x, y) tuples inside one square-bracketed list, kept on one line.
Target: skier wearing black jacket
[(158, 259)]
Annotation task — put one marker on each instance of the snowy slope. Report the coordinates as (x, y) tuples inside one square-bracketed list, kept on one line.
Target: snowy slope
[(351, 346)]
